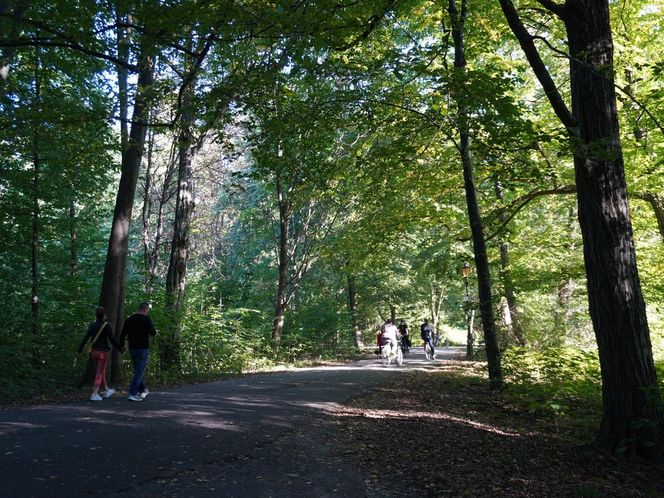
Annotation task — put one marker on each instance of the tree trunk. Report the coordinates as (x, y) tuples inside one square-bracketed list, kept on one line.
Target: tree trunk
[(632, 423), (280, 303), (479, 244), (352, 307), (123, 40), (151, 248), (629, 388), (34, 259), (435, 303), (113, 283), (184, 209), (470, 335), (514, 326), (145, 216), (73, 238)]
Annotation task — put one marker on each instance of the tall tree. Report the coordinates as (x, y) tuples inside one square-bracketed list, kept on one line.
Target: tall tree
[(184, 210), (113, 283), (458, 19), (512, 313), (632, 421)]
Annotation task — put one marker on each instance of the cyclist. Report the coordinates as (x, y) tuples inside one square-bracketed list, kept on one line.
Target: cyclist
[(405, 336), (390, 337), (426, 331)]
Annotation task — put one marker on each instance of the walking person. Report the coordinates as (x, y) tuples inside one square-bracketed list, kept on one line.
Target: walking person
[(137, 329), (100, 333)]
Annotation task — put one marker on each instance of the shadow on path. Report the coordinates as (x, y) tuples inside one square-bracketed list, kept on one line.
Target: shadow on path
[(262, 435)]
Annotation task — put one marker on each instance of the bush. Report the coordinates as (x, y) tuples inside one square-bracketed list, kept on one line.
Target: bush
[(564, 381)]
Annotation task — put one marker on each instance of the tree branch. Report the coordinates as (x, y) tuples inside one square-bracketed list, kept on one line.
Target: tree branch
[(524, 200), (538, 66), (554, 7)]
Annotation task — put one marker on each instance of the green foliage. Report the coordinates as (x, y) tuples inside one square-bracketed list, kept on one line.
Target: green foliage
[(222, 342), (562, 381)]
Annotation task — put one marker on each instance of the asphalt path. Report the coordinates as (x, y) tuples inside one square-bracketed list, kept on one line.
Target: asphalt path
[(267, 435)]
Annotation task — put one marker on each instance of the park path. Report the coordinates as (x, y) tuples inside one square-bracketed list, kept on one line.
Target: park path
[(267, 435)]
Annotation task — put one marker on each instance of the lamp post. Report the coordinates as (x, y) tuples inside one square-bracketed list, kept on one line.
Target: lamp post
[(466, 270)]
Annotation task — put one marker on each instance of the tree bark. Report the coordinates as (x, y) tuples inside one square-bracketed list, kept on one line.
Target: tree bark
[(284, 220), (632, 424), (470, 334), (436, 302), (146, 212), (113, 283), (617, 307), (73, 240), (352, 307), (479, 244), (123, 39), (184, 210), (508, 284)]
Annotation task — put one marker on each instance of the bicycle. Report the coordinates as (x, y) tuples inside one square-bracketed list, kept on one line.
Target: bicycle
[(405, 347), (390, 354), (427, 352)]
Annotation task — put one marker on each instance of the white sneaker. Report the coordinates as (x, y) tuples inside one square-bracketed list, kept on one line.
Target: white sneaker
[(135, 397), (144, 393), (108, 393), (95, 397)]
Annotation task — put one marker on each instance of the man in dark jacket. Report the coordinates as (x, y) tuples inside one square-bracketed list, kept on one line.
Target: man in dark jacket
[(137, 329), (426, 331)]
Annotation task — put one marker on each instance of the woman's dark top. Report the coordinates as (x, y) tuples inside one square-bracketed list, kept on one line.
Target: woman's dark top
[(105, 339)]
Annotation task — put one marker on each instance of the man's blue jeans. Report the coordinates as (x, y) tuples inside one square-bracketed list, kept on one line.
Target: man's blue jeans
[(139, 358)]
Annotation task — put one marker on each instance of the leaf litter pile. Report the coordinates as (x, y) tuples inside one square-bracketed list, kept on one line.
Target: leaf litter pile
[(443, 433)]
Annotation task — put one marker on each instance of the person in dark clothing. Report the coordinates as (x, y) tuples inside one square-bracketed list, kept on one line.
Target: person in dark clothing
[(405, 336), (137, 329), (100, 333), (426, 331)]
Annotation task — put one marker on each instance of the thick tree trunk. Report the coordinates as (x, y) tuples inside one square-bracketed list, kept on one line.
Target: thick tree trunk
[(352, 307), (632, 423), (113, 283), (629, 384), (280, 302), (479, 244), (184, 210), (514, 327)]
